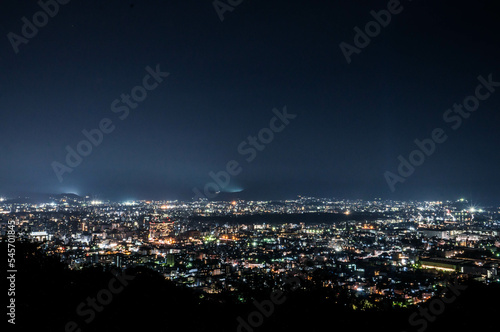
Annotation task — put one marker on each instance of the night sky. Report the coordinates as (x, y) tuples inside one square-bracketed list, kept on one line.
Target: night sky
[(226, 77)]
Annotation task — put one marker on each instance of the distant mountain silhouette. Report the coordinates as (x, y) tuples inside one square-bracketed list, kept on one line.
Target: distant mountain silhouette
[(38, 198)]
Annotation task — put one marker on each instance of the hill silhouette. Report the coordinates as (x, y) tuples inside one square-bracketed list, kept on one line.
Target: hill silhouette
[(48, 294)]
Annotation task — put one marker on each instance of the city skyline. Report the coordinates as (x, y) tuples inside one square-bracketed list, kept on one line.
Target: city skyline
[(255, 261), (40, 198)]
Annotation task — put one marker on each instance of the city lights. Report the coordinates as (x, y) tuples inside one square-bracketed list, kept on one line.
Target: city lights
[(205, 246)]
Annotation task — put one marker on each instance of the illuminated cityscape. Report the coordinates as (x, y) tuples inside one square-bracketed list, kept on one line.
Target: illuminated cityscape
[(381, 253), (215, 246), (250, 166)]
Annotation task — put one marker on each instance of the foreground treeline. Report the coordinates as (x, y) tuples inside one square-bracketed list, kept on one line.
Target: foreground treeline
[(50, 297)]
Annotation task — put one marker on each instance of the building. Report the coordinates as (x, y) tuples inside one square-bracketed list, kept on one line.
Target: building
[(158, 230)]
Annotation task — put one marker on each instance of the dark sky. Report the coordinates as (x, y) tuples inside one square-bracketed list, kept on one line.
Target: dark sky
[(353, 120)]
